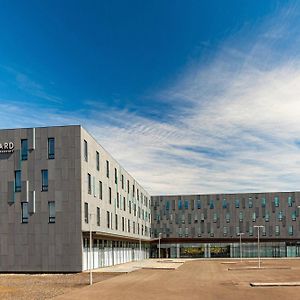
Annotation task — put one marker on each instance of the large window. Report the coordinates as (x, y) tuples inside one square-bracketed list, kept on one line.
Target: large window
[(86, 212), (85, 150), (51, 209), (18, 181), (51, 148), (89, 184), (24, 149), (25, 215), (97, 160), (44, 180)]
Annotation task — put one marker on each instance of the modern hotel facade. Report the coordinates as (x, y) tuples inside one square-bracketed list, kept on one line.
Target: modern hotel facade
[(211, 225), (57, 184)]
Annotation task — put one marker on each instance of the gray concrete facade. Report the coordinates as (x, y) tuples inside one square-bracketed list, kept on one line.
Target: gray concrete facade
[(45, 190)]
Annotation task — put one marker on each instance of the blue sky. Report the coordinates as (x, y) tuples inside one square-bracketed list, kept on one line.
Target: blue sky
[(190, 96)]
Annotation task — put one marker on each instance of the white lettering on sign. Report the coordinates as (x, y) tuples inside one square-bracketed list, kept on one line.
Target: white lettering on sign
[(8, 147)]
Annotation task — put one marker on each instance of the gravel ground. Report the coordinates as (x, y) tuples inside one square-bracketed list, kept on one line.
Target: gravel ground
[(44, 286)]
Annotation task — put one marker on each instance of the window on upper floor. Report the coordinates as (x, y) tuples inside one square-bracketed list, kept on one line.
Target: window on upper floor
[(241, 217), (290, 230), (280, 215), (186, 204), (51, 211), (86, 212), (85, 150), (277, 230), (198, 203), (25, 214), (24, 149), (294, 215), (100, 190), (250, 202), (128, 187), (211, 204), (237, 203), (18, 182), (109, 195), (97, 161), (51, 148), (89, 183), (124, 203), (267, 216), (290, 201), (44, 180), (122, 181), (108, 219), (116, 176), (179, 204), (107, 169), (276, 201), (98, 216), (263, 202), (224, 203), (118, 200), (254, 217)]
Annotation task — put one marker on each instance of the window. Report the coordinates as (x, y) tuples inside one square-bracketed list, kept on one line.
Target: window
[(250, 202), (51, 148), (44, 180), (179, 204), (122, 181), (211, 204), (294, 215), (86, 212), (237, 203), (124, 203), (237, 230), (108, 219), (241, 216), (107, 169), (100, 190), (224, 203), (215, 217), (51, 209), (280, 215), (128, 226), (85, 150), (253, 217), (186, 204), (267, 216), (128, 186), (133, 190), (290, 201), (227, 216), (24, 149), (116, 176), (116, 222), (225, 230), (98, 216), (89, 184), (276, 201), (118, 201), (250, 230), (290, 230), (97, 160), (138, 194), (109, 195), (18, 182), (123, 224), (199, 204), (277, 230), (25, 215), (129, 207), (263, 202)]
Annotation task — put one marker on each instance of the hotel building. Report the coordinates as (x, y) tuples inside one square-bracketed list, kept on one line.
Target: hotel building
[(56, 185)]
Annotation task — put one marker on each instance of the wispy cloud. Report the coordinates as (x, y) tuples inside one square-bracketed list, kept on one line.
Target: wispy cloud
[(235, 127)]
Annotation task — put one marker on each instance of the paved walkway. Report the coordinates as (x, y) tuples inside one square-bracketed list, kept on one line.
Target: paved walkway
[(195, 280)]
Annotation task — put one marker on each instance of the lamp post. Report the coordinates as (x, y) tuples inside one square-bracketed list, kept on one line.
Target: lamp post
[(258, 247), (159, 237), (240, 234), (91, 245)]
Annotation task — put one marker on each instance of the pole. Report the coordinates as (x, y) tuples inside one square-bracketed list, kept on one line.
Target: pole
[(159, 245), (258, 245), (91, 274)]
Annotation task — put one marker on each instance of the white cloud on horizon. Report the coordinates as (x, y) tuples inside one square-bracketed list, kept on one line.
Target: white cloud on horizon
[(235, 130)]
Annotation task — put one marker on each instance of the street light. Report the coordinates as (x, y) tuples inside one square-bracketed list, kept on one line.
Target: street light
[(159, 237), (258, 248), (240, 234)]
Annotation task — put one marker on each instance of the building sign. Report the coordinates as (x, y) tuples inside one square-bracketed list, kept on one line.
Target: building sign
[(7, 147)]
